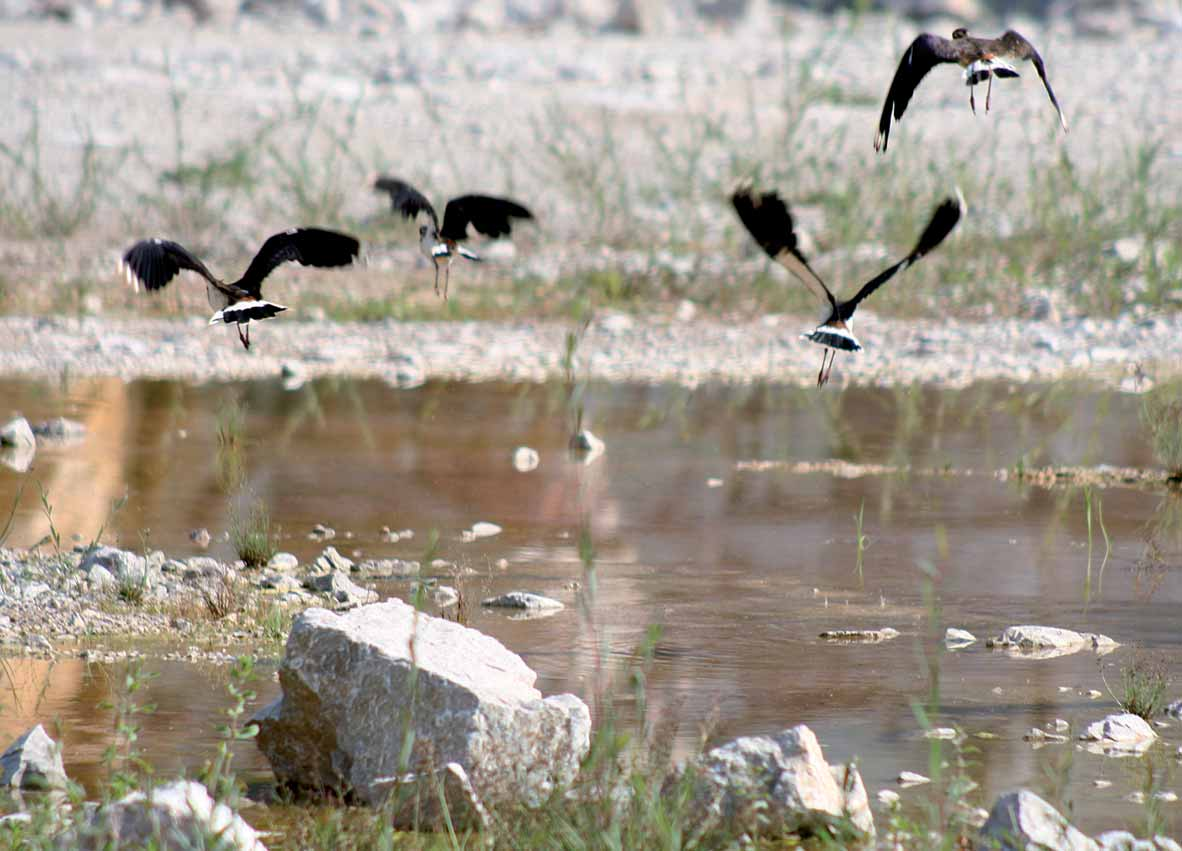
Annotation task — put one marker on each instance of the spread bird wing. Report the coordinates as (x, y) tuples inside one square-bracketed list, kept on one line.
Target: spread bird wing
[(1023, 49), (488, 215), (768, 220), (405, 199), (924, 54), (153, 263), (944, 219), (306, 246)]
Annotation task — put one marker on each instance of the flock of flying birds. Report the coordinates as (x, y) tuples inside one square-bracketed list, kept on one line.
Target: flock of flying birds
[(153, 263)]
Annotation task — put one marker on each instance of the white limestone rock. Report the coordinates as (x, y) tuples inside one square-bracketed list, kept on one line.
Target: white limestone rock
[(347, 707), (769, 785), (1022, 820), (33, 762)]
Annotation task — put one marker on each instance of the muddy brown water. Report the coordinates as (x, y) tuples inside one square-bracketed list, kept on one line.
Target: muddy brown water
[(742, 569)]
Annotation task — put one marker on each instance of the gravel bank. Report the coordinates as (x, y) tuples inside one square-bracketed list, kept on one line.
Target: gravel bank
[(1121, 353)]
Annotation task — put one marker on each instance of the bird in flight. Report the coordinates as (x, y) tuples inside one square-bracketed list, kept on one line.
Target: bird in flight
[(486, 214), (153, 263), (981, 58), (768, 220)]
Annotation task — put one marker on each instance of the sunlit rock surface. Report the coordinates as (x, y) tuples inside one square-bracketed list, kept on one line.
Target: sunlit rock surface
[(175, 817), (774, 784), (1021, 820), (1120, 733), (354, 688), (1047, 642), (33, 762)]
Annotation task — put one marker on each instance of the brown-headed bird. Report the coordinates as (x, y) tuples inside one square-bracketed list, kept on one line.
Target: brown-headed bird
[(153, 263), (768, 220), (486, 214), (981, 58)]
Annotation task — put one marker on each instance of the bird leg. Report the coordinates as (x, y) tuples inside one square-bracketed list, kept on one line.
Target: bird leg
[(821, 376), (446, 276), (972, 103), (988, 92), (245, 339), (435, 263)]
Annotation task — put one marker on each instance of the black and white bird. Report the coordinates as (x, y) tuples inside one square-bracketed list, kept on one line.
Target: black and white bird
[(768, 220), (981, 58), (153, 263), (486, 214)]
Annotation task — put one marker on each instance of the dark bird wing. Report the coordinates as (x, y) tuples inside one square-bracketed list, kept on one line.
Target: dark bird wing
[(490, 216), (405, 199), (924, 54), (944, 219), (1020, 48), (767, 219), (306, 246), (152, 263)]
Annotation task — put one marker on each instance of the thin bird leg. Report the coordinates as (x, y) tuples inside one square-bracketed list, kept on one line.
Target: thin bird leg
[(821, 374), (435, 263), (988, 92), (446, 278), (245, 339), (832, 358), (972, 103)]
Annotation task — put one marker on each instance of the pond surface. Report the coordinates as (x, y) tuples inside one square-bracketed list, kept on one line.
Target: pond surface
[(741, 568)]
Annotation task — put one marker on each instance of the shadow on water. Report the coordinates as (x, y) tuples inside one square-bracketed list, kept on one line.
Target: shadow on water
[(742, 568)]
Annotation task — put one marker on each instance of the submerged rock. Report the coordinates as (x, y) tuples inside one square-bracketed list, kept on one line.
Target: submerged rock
[(769, 785), (33, 762), (348, 707), (868, 636), (1047, 642), (1126, 733), (178, 816), (1022, 820), (18, 458), (522, 600)]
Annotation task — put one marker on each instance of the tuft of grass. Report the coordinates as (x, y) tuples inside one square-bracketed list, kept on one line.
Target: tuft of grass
[(1161, 412), (251, 535), (133, 590), (1144, 682), (223, 595)]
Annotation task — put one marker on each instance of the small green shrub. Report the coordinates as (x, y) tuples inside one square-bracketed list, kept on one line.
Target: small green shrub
[(251, 535)]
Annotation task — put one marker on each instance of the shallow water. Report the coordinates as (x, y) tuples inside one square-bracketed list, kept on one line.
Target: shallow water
[(741, 568)]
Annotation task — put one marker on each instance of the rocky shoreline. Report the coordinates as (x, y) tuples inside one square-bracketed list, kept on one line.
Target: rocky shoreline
[(1124, 353)]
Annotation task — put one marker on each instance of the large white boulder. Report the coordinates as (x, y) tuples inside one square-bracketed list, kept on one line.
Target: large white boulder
[(1122, 733), (1021, 820), (355, 690), (775, 784), (176, 817)]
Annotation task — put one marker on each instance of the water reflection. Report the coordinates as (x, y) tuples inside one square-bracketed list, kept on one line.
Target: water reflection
[(742, 568)]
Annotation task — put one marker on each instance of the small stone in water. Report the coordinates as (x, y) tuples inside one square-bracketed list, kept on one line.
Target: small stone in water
[(200, 537), (485, 530), (1095, 693), (889, 797), (940, 733), (954, 637), (525, 459), (1059, 725), (714, 483), (1100, 783), (910, 778)]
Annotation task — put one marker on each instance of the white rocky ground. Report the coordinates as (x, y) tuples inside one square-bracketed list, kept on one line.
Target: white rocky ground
[(1120, 353)]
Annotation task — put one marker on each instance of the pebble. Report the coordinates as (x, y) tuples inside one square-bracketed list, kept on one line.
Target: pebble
[(525, 459), (940, 733), (521, 600), (911, 778), (956, 638)]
